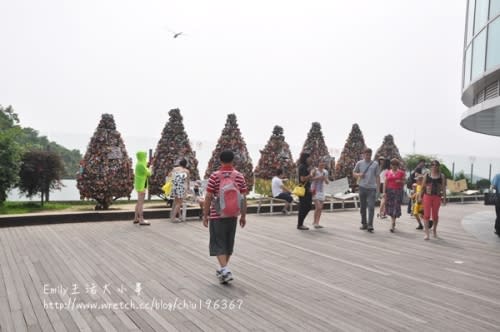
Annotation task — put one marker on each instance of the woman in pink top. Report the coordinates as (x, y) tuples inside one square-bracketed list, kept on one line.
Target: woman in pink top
[(393, 192), (434, 191)]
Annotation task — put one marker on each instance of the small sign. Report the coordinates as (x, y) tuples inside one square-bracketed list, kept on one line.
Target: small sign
[(115, 153)]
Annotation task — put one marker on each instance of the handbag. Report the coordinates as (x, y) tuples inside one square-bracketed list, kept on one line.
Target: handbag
[(167, 187), (299, 191), (491, 198)]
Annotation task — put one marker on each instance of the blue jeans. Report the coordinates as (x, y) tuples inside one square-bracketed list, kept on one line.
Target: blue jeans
[(367, 199)]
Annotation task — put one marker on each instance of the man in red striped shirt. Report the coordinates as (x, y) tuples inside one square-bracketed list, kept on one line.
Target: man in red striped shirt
[(223, 229)]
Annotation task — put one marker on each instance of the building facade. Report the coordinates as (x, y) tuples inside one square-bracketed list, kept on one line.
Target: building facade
[(481, 67)]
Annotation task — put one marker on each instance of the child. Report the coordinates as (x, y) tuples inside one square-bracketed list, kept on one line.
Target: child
[(418, 208)]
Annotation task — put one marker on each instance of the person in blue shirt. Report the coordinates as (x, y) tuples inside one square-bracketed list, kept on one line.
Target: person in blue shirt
[(495, 184)]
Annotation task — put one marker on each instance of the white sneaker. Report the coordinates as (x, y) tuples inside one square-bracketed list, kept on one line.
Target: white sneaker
[(218, 274), (227, 277)]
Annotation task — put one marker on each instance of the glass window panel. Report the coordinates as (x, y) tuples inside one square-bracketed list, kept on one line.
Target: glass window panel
[(467, 66), (494, 8), (493, 56), (478, 54), (480, 15), (470, 20)]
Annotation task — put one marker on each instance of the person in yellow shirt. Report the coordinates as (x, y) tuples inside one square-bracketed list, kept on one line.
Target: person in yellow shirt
[(418, 208)]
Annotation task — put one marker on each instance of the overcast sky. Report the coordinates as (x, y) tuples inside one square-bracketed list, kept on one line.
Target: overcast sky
[(393, 67)]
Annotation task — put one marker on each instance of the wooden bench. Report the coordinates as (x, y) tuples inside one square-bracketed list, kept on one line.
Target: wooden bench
[(458, 190), (272, 202), (192, 199), (263, 196), (339, 190)]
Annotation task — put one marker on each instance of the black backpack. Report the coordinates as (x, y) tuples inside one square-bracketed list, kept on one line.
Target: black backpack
[(409, 181)]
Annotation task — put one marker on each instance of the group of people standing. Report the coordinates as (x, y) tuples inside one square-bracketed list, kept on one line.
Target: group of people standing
[(429, 191), (313, 179), (374, 178), (384, 179), (180, 185)]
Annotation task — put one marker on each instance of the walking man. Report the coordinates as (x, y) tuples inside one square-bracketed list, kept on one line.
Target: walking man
[(225, 200), (367, 172), (495, 184)]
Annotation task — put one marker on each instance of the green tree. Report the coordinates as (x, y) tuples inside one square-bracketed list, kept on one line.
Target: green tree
[(10, 150), (29, 139), (8, 118), (411, 161), (9, 162), (483, 184), (461, 176), (40, 172)]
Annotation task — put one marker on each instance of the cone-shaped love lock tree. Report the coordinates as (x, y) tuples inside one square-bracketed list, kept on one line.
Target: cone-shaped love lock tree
[(171, 148), (389, 150), (275, 155), (106, 172), (350, 155), (231, 139), (315, 145)]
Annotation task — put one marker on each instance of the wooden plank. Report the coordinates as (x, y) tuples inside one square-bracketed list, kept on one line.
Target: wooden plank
[(27, 248), (83, 275), (46, 268), (6, 322), (33, 307), (335, 279)]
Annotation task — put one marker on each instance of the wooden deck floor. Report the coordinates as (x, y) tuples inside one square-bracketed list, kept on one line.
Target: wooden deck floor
[(335, 279)]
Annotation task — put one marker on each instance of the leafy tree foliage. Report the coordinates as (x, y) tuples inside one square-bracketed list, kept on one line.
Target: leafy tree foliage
[(9, 151), (483, 184), (8, 118), (411, 161), (29, 139), (40, 172), (9, 162)]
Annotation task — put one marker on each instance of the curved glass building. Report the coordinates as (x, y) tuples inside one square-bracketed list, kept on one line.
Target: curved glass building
[(481, 67)]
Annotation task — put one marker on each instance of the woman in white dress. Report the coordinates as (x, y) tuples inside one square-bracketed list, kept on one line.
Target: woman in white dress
[(180, 185), (319, 176)]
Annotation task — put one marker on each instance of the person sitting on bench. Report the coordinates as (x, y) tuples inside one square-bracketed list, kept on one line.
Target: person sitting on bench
[(280, 191)]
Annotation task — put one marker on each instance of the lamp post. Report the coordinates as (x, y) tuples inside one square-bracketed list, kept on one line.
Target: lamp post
[(472, 160)]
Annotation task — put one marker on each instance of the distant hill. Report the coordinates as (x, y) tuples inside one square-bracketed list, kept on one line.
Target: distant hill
[(28, 138)]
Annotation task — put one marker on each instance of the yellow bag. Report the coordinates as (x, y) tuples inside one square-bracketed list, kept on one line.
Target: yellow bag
[(167, 188), (299, 191)]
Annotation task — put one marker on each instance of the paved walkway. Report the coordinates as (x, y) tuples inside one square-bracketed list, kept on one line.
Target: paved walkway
[(481, 225), (160, 278)]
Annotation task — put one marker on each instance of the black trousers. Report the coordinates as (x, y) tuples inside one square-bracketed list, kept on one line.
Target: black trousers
[(305, 204), (497, 221)]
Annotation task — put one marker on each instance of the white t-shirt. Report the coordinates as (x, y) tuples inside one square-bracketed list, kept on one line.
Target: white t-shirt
[(382, 176), (276, 185)]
